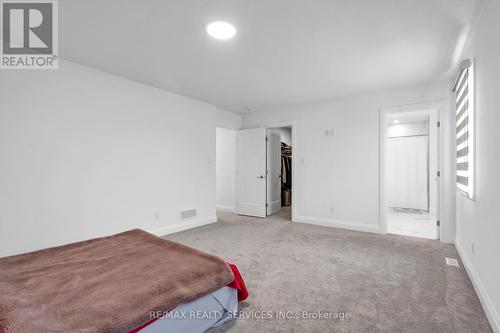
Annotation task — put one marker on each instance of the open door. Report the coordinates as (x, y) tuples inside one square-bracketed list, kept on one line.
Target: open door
[(273, 172), (251, 172)]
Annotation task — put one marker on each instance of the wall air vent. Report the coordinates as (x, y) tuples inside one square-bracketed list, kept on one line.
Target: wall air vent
[(188, 213)]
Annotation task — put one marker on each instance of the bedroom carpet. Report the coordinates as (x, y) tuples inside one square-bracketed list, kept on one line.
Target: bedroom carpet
[(387, 283)]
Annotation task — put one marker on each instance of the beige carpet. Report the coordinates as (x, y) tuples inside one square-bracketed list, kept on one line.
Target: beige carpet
[(386, 283)]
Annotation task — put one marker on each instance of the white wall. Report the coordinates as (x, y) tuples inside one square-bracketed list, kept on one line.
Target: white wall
[(227, 119), (479, 221), (341, 171), (86, 154), (226, 169), (407, 129), (227, 125)]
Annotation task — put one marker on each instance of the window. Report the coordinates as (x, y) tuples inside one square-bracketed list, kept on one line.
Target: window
[(464, 94)]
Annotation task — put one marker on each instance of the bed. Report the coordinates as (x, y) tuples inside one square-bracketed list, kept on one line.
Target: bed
[(209, 311), (129, 282)]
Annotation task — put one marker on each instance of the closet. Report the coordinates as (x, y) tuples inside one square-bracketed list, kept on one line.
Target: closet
[(286, 175)]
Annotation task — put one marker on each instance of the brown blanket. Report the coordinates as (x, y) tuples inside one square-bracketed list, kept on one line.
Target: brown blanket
[(107, 284)]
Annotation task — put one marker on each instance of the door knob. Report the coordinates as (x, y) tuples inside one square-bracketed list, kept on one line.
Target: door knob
[(261, 177)]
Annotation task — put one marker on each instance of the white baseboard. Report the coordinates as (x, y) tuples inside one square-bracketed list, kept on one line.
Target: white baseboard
[(488, 307), (356, 226), (181, 226), (225, 209)]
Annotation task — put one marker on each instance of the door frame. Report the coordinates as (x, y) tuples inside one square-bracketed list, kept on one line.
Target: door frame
[(269, 133), (445, 233), (289, 123)]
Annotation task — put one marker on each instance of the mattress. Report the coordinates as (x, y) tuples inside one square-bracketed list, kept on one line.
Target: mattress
[(209, 311)]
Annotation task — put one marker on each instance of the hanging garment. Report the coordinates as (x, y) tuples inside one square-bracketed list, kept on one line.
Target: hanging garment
[(289, 172), (283, 170)]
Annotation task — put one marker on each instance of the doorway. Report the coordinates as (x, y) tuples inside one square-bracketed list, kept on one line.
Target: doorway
[(411, 181), (279, 171), (264, 165)]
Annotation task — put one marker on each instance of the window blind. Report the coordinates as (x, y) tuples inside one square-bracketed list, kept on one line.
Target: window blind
[(464, 104)]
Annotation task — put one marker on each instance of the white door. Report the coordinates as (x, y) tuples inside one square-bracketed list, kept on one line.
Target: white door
[(251, 172), (273, 172)]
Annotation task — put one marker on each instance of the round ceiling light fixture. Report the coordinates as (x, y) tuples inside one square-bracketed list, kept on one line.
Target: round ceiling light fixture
[(221, 30)]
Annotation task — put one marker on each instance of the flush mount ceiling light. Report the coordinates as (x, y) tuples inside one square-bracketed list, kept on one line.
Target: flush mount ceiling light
[(221, 30)]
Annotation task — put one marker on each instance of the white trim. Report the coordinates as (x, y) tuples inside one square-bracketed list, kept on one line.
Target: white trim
[(170, 229), (332, 223), (486, 302), (272, 207), (225, 208)]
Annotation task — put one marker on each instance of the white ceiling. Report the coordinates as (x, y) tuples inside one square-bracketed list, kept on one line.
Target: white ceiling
[(285, 51)]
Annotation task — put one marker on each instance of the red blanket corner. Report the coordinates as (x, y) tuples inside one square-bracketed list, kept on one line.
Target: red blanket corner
[(238, 283)]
